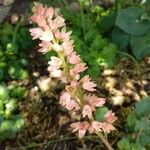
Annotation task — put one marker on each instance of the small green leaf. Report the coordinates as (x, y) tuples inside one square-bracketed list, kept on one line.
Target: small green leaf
[(131, 120), (140, 46), (100, 112)]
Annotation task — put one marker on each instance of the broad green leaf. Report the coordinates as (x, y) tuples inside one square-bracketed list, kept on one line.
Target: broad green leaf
[(142, 108), (140, 46), (144, 138), (120, 38), (143, 125), (129, 20)]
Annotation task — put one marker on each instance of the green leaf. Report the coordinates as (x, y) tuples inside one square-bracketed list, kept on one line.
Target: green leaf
[(143, 125), (129, 20), (143, 129), (124, 144), (9, 128), (107, 22), (94, 71), (120, 38), (6, 129), (140, 45), (137, 146), (131, 120), (108, 55), (3, 92), (16, 91), (142, 108), (100, 112), (144, 138)]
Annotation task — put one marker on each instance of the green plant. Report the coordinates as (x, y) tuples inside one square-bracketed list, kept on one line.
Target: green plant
[(95, 50), (10, 121), (132, 28), (15, 39), (137, 128)]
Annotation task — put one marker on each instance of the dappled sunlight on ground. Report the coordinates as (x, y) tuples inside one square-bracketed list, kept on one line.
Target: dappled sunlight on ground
[(126, 84)]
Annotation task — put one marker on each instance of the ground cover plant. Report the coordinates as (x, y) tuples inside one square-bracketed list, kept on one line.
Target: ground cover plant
[(12, 59), (10, 121), (95, 50), (57, 105), (13, 65), (132, 24)]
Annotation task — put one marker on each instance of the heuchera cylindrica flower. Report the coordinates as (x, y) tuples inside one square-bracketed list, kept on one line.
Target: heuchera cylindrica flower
[(67, 66)]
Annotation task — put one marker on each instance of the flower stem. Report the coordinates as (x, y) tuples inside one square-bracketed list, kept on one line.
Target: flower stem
[(104, 141)]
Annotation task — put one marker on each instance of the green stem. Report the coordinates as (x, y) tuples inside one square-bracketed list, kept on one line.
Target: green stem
[(82, 18), (16, 31), (104, 141)]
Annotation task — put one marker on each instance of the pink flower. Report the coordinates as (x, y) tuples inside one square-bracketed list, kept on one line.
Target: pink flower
[(57, 34), (106, 127), (63, 78), (81, 127), (74, 58), (39, 19), (95, 101), (49, 13), (55, 72), (66, 101), (95, 127), (45, 47), (65, 36), (74, 83), (110, 117), (68, 47), (59, 21), (65, 98), (36, 32), (87, 84), (72, 105), (47, 36), (56, 23), (38, 9), (87, 111), (55, 62), (80, 67)]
